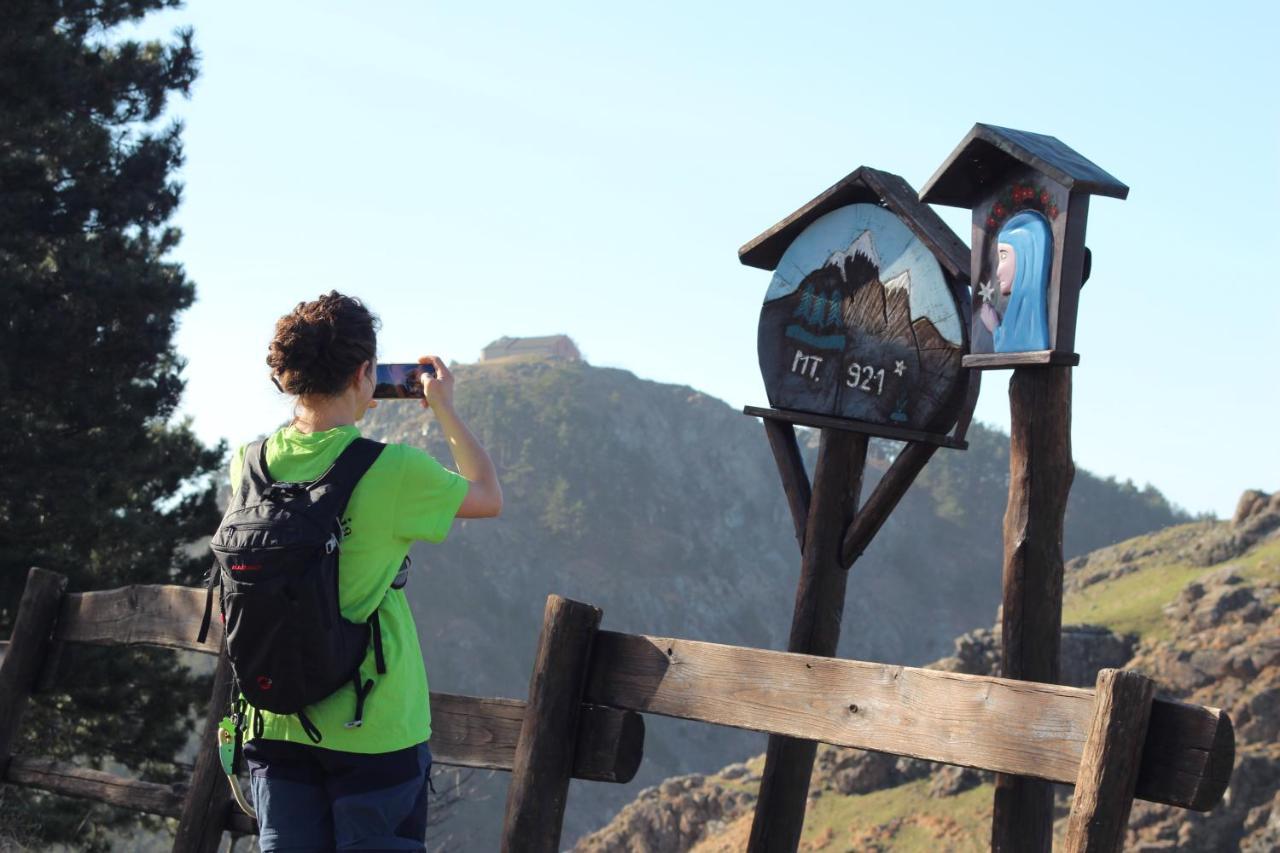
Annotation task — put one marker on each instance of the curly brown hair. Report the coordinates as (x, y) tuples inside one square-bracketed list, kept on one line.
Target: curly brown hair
[(318, 345)]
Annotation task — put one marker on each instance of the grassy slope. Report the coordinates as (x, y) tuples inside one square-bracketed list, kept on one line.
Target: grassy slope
[(904, 818), (1134, 602)]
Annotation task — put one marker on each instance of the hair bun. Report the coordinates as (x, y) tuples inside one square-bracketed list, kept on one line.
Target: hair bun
[(319, 344)]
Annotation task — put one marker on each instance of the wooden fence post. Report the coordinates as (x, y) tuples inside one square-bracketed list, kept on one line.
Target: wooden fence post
[(815, 630), (204, 808), (544, 754), (1109, 767), (28, 644), (1040, 475)]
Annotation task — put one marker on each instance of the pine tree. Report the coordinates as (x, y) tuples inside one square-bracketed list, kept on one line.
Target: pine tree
[(805, 303), (818, 310), (97, 481), (833, 311)]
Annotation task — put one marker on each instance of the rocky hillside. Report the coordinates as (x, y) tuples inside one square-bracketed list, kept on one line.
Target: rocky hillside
[(662, 506), (1196, 607)]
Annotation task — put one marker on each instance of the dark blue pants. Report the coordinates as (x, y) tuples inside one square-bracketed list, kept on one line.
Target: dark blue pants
[(315, 799)]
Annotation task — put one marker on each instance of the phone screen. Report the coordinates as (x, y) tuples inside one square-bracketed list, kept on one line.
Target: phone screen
[(400, 381)]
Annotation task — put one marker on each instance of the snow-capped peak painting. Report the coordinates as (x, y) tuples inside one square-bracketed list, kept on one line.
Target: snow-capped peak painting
[(859, 323)]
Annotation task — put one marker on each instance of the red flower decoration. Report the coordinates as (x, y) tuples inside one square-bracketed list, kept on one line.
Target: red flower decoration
[(1020, 197)]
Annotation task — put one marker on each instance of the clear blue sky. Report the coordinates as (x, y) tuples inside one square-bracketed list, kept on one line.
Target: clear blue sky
[(474, 170)]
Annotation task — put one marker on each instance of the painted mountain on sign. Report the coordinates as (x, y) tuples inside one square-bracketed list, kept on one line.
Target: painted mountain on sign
[(869, 330)]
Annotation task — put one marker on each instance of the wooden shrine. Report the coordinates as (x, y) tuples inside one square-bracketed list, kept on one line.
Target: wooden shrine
[(1030, 199)]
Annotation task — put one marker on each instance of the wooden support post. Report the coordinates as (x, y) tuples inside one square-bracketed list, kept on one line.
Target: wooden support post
[(1109, 767), (815, 630), (545, 752), (884, 499), (28, 645), (208, 799), (795, 482), (1040, 474)]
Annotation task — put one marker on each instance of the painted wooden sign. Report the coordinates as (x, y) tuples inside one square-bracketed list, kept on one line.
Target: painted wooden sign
[(858, 323), (1030, 199), (864, 319)]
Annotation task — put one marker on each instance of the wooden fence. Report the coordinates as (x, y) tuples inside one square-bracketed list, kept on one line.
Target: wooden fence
[(587, 691)]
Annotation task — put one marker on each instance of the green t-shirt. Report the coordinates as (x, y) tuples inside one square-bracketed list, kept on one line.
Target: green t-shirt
[(405, 496)]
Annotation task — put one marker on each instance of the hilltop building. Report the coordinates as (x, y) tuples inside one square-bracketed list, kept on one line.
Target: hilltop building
[(559, 347)]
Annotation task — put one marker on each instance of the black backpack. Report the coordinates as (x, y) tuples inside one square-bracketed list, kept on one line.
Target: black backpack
[(276, 563)]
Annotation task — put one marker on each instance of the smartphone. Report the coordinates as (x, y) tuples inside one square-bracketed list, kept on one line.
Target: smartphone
[(400, 381)]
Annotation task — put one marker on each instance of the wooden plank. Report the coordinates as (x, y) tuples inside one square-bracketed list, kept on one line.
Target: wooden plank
[(544, 758), (1040, 475), (766, 249), (864, 185), (61, 778), (1064, 295), (468, 731), (965, 418), (58, 777), (1004, 360), (1190, 750), (32, 627), (154, 615), (815, 630), (974, 721), (1109, 768), (884, 499), (610, 745), (988, 151), (795, 481), (924, 221), (208, 801), (827, 422)]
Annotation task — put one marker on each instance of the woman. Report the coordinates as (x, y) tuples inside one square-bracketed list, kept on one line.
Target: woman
[(364, 787), (1024, 251)]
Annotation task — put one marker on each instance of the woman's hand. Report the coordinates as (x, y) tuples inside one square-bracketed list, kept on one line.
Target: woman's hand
[(437, 390), (484, 492), (990, 318)]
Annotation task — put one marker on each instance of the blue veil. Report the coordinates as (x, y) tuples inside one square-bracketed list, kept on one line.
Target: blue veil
[(1025, 325)]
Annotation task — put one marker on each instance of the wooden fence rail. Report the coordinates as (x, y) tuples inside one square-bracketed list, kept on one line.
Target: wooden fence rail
[(1113, 743), (467, 731), (1015, 727)]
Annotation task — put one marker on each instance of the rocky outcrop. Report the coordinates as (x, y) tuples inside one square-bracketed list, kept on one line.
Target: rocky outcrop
[(1257, 517), (672, 816), (856, 771), (1085, 650), (1225, 652)]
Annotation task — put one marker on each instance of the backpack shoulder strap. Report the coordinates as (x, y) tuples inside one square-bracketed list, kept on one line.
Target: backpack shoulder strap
[(254, 477), (337, 483)]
